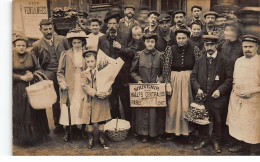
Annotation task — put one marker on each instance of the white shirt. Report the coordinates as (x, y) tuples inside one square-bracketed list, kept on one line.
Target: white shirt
[(78, 58), (50, 41), (92, 41)]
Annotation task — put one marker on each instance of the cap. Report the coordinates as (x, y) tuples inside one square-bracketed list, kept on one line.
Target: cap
[(182, 30), (82, 14), (196, 6), (250, 38), (164, 17), (76, 33), (210, 38), (222, 15), (179, 11), (211, 13), (111, 16), (153, 12), (150, 36), (20, 37), (129, 6), (88, 51)]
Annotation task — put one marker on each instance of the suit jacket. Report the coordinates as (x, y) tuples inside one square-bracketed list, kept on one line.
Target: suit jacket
[(126, 30), (106, 45), (223, 82), (40, 49)]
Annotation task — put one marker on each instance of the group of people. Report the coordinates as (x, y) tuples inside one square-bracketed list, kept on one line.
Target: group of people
[(208, 60)]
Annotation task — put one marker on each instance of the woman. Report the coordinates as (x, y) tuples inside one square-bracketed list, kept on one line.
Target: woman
[(94, 35), (178, 65), (70, 66), (232, 47), (29, 125)]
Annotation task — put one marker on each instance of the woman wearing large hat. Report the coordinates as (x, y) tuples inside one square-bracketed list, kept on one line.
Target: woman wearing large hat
[(71, 64), (29, 125)]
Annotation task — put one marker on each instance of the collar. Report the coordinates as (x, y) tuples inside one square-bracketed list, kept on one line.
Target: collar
[(153, 51), (49, 40), (193, 19), (93, 70), (214, 55)]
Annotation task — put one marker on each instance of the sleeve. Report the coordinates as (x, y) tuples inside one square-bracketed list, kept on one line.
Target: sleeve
[(66, 44), (194, 78), (87, 89), (16, 76), (166, 68), (135, 68), (35, 50), (225, 87), (36, 63), (99, 43), (61, 70), (128, 51), (160, 77)]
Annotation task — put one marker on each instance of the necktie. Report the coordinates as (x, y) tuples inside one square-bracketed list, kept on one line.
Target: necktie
[(92, 77), (210, 59), (51, 43)]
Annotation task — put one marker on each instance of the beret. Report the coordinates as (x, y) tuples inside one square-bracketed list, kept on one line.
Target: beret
[(196, 6), (250, 38), (179, 11), (76, 33), (211, 13), (153, 12), (150, 36), (111, 16), (129, 6), (164, 17), (88, 51), (182, 30), (210, 38)]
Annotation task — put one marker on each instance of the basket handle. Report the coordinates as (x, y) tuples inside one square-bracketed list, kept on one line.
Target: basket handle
[(41, 74), (37, 75)]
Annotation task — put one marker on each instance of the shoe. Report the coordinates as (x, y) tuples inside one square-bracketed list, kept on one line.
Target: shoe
[(236, 148), (102, 140), (58, 129), (144, 139), (201, 144), (216, 147), (84, 134), (90, 140), (67, 136)]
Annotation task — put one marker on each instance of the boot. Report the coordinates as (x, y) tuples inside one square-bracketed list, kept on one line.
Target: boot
[(102, 140), (84, 134), (67, 136), (90, 140)]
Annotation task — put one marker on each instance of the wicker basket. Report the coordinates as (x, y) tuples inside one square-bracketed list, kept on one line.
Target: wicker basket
[(117, 134)]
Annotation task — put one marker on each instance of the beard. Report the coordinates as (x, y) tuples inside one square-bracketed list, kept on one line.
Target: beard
[(129, 15)]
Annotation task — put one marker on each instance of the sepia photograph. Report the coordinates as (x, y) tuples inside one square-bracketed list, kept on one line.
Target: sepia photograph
[(135, 78)]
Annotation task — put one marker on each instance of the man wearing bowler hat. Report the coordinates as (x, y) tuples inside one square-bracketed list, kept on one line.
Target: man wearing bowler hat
[(212, 77), (153, 23), (127, 23), (179, 19), (111, 45)]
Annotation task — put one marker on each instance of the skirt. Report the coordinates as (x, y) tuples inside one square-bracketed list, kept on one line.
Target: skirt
[(75, 103), (178, 103)]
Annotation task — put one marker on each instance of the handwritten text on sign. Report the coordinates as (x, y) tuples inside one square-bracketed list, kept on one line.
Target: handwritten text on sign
[(147, 95)]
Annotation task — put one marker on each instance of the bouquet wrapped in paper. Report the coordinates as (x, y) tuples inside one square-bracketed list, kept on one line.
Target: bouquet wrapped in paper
[(108, 70)]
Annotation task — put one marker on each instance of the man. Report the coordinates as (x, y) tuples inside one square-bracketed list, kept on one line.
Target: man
[(244, 106), (179, 19), (196, 13), (221, 21), (127, 23), (166, 36), (110, 44), (153, 23), (211, 29), (82, 22), (212, 76), (48, 50)]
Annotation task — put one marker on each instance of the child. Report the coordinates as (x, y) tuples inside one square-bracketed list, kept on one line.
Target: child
[(147, 68), (95, 104)]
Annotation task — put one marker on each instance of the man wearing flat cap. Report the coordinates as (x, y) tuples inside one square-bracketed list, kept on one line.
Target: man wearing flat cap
[(152, 22), (196, 13), (212, 76), (48, 50), (127, 23), (179, 19), (111, 44), (244, 107), (166, 36), (82, 22)]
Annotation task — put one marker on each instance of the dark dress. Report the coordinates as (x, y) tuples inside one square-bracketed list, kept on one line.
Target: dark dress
[(29, 125)]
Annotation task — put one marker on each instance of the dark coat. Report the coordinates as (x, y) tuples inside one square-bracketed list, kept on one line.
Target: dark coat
[(162, 43), (106, 45), (232, 50), (126, 30), (40, 49), (223, 69)]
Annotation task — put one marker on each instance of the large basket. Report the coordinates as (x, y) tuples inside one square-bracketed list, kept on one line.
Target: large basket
[(42, 94), (117, 134)]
